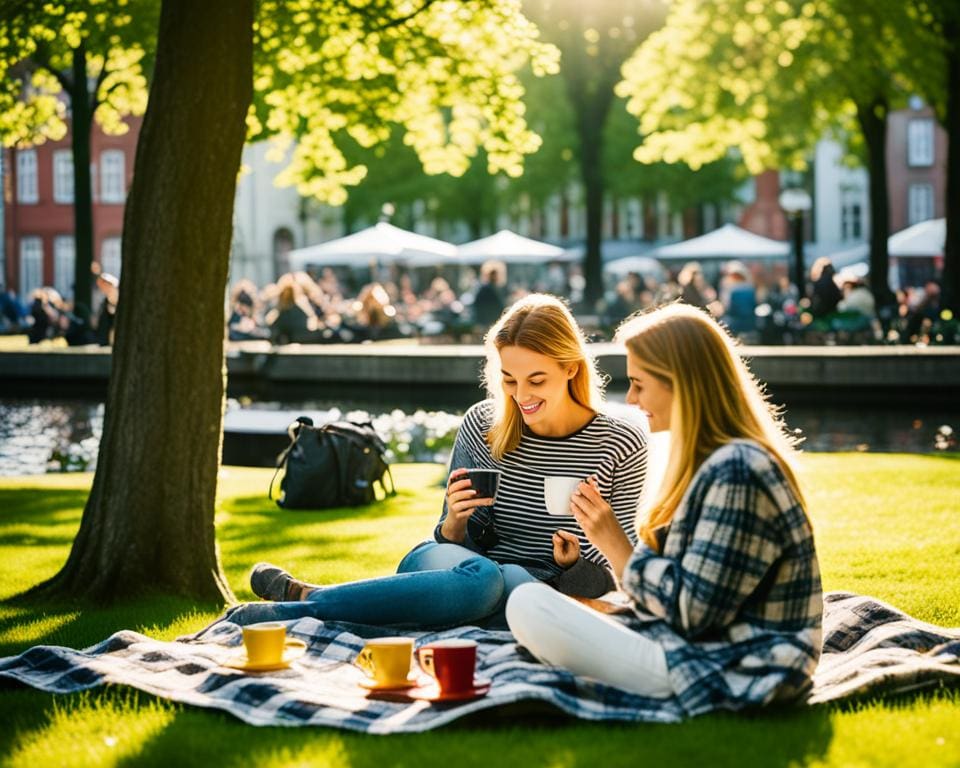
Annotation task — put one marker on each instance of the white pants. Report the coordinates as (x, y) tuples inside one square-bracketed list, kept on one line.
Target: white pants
[(564, 633)]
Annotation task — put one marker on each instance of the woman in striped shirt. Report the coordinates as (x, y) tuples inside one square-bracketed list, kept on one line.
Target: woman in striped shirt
[(542, 419), (724, 588)]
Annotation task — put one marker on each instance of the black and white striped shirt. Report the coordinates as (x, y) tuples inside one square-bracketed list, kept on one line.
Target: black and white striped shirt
[(610, 448)]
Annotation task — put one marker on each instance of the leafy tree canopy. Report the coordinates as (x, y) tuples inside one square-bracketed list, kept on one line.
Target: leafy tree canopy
[(446, 71), (768, 78), (38, 42)]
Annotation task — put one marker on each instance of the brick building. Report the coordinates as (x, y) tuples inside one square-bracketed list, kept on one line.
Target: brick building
[(38, 208)]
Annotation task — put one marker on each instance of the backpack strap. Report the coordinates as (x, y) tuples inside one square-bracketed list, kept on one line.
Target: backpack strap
[(393, 485), (293, 430), (273, 479)]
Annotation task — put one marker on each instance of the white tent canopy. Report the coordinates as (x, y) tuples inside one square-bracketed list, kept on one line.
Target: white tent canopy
[(642, 265), (382, 243), (727, 242), (511, 248), (926, 239)]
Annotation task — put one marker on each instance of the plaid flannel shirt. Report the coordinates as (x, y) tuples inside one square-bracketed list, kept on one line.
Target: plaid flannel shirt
[(735, 597)]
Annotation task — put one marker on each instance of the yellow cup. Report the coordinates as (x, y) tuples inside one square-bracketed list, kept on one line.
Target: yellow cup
[(265, 642), (387, 660)]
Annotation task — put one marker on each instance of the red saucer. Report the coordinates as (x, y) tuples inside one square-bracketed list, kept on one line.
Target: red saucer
[(433, 692)]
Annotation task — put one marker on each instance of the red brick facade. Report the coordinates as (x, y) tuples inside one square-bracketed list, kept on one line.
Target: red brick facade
[(902, 174), (48, 219)]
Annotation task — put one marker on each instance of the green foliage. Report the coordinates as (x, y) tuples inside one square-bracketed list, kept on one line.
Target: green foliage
[(883, 526), (713, 183), (445, 71), (769, 79), (38, 44), (395, 174)]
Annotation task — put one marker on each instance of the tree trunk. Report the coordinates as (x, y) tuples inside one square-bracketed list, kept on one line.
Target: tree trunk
[(592, 174), (873, 122), (81, 123), (951, 250), (148, 524), (591, 104)]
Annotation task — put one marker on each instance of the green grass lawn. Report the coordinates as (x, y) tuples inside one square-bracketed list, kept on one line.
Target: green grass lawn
[(885, 524)]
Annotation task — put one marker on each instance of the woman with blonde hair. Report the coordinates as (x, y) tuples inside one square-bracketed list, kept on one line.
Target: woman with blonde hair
[(542, 419), (724, 586)]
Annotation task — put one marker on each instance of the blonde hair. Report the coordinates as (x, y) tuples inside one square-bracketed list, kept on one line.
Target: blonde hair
[(542, 324), (715, 400)]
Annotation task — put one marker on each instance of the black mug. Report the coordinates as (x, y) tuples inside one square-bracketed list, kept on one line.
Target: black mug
[(486, 482)]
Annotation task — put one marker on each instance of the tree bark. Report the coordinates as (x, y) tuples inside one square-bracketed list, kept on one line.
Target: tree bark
[(951, 249), (873, 122), (591, 106), (81, 124), (149, 521)]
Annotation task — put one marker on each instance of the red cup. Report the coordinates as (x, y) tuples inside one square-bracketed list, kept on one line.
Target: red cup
[(450, 662)]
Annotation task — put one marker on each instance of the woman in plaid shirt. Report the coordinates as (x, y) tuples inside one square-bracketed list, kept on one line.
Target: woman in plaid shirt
[(724, 585)]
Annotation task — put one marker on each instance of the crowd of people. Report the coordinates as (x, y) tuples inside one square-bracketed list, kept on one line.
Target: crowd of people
[(47, 315), (299, 308), (760, 308), (835, 308)]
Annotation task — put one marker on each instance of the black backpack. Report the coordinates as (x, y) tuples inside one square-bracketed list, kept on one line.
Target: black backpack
[(334, 465)]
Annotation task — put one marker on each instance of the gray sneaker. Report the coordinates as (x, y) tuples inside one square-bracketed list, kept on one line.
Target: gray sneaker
[(271, 582)]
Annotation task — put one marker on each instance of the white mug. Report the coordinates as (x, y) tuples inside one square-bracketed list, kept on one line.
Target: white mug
[(557, 491)]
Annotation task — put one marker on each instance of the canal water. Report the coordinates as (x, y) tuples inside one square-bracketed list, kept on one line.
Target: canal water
[(63, 436)]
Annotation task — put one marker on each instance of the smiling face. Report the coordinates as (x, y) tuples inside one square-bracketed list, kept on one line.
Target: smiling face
[(538, 385), (652, 395)]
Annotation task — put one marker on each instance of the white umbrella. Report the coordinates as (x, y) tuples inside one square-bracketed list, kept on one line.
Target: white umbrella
[(382, 243), (642, 265), (511, 248), (927, 238), (727, 242)]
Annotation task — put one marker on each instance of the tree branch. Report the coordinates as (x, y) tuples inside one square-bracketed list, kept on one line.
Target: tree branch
[(94, 101), (398, 22), (42, 58)]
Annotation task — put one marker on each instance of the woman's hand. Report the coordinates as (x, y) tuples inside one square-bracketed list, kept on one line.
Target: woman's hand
[(600, 525), (566, 548), (462, 502)]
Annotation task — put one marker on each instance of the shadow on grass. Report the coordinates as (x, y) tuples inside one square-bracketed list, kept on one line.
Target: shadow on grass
[(523, 734), (50, 516), (80, 625), (255, 526)]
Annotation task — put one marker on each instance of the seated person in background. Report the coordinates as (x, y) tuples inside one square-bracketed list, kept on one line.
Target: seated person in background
[(44, 317), (243, 323), (375, 317), (109, 286), (293, 320), (738, 297), (826, 295), (488, 302), (857, 297)]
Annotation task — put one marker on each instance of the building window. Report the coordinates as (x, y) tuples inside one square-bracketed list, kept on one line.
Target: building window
[(851, 222), (31, 266), (63, 176), (112, 176), (110, 256), (920, 203), (64, 260), (27, 191), (920, 142)]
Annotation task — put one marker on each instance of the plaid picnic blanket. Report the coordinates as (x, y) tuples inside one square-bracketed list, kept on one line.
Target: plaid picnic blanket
[(869, 648)]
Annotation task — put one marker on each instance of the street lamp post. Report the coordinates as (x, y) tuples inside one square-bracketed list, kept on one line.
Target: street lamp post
[(796, 202)]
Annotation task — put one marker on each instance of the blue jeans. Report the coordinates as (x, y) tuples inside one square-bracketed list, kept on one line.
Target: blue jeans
[(436, 585)]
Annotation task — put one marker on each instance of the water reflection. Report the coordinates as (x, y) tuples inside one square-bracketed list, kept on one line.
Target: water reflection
[(63, 436), (49, 437)]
